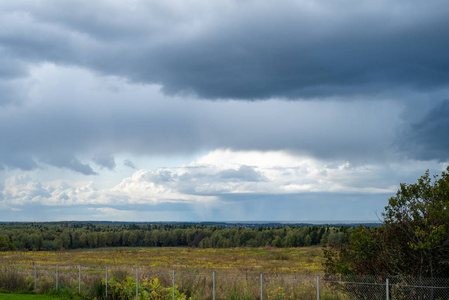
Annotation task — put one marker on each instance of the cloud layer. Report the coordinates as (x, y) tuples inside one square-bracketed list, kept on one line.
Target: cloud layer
[(246, 102), (238, 49), (219, 180), (102, 117)]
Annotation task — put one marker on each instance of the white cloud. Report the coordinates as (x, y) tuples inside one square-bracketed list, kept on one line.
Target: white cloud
[(146, 187), (223, 184), (23, 190), (201, 182), (283, 172)]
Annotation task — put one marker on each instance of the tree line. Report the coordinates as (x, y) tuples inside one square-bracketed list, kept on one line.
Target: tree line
[(57, 236)]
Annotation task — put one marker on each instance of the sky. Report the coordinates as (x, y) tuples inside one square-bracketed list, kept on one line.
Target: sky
[(226, 110)]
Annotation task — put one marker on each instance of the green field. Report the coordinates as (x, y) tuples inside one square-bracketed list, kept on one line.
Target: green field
[(27, 297)]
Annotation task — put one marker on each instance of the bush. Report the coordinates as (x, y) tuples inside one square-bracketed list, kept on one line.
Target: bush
[(148, 290)]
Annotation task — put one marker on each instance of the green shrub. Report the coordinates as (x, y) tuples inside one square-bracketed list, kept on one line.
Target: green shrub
[(148, 290)]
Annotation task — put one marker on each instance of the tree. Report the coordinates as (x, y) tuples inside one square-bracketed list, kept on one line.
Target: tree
[(416, 222), (132, 238), (37, 241), (413, 239), (83, 240), (75, 237), (3, 244), (148, 239), (92, 240)]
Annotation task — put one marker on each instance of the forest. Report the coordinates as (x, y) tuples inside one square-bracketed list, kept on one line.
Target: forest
[(75, 235)]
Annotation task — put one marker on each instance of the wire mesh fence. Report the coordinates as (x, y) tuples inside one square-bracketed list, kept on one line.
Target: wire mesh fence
[(386, 287), (102, 282)]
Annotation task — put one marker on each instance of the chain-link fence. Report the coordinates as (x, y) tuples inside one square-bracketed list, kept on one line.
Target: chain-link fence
[(102, 282), (386, 287)]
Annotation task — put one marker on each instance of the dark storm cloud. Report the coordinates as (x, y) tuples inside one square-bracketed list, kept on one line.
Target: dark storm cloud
[(243, 50), (428, 138), (322, 50)]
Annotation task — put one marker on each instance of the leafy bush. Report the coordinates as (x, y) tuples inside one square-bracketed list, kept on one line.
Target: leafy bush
[(148, 290), (119, 275)]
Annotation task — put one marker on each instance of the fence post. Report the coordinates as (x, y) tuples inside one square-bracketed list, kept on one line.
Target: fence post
[(261, 286), (35, 275), (387, 287), (137, 283), (56, 276), (173, 284), (213, 285), (106, 282), (318, 287), (79, 280)]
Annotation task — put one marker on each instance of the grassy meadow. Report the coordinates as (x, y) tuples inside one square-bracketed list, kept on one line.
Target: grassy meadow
[(304, 260), (288, 273)]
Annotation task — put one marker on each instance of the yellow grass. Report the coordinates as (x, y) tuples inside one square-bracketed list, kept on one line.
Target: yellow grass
[(289, 273), (305, 260)]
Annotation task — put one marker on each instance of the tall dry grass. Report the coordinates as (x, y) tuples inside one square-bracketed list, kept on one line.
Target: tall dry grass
[(12, 279)]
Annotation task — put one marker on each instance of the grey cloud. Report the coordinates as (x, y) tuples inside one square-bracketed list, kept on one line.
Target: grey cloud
[(129, 164), (162, 176), (12, 76), (238, 207), (71, 163), (21, 159), (304, 207), (64, 133), (244, 50), (30, 137), (244, 173), (241, 50), (106, 161), (8, 94), (428, 138), (200, 180)]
